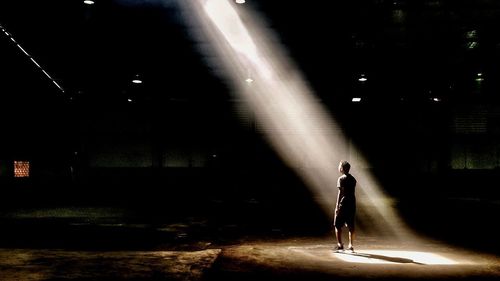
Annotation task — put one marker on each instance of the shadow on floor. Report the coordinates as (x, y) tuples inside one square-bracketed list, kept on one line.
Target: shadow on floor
[(379, 257)]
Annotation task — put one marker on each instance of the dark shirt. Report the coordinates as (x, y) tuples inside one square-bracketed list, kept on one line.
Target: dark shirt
[(347, 187)]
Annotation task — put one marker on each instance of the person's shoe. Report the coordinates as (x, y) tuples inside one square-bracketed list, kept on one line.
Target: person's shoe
[(339, 248), (351, 248)]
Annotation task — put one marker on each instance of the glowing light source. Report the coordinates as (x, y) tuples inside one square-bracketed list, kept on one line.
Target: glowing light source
[(362, 78), (356, 99), (137, 79), (472, 34), (89, 2), (21, 169), (249, 80), (436, 99), (479, 77), (240, 1), (3, 30), (129, 100), (472, 45)]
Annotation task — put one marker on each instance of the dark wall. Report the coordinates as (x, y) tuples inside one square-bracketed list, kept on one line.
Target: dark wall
[(182, 144)]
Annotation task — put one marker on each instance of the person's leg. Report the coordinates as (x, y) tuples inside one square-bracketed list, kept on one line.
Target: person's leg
[(338, 235), (351, 238), (350, 226), (338, 223)]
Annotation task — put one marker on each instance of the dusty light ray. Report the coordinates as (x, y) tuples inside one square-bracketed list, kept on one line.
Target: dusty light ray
[(285, 109)]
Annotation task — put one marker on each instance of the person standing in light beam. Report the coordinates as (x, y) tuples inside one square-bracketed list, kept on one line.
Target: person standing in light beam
[(345, 208)]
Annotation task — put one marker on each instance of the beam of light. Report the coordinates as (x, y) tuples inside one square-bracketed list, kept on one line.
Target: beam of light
[(286, 110), (391, 257), (227, 21)]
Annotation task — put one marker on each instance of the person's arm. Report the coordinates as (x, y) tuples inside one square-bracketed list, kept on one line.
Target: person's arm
[(338, 195), (337, 204)]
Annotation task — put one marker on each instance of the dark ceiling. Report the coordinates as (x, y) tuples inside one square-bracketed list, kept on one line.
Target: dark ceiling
[(407, 48)]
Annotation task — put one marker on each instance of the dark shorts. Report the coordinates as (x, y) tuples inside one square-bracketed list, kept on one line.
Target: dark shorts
[(345, 216)]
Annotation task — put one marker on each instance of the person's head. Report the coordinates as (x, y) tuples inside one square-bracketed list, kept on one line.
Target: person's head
[(344, 167)]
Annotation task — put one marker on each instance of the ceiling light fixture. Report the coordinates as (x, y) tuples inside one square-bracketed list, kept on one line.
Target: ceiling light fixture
[(137, 79), (362, 78), (356, 99), (479, 77), (240, 1), (472, 45), (88, 2), (471, 34)]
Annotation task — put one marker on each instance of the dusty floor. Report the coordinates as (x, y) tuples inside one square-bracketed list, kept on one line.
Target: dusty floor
[(288, 259), (106, 244), (310, 259)]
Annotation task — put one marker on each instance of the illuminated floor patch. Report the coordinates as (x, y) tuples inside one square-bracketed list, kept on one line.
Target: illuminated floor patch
[(388, 257), (325, 253)]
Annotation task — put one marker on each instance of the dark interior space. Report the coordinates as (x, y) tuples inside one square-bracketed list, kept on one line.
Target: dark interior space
[(91, 160)]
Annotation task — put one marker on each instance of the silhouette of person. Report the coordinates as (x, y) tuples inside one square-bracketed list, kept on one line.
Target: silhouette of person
[(345, 208)]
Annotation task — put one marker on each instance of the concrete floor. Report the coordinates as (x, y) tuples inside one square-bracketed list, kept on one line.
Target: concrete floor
[(313, 259), (304, 258), (111, 244)]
